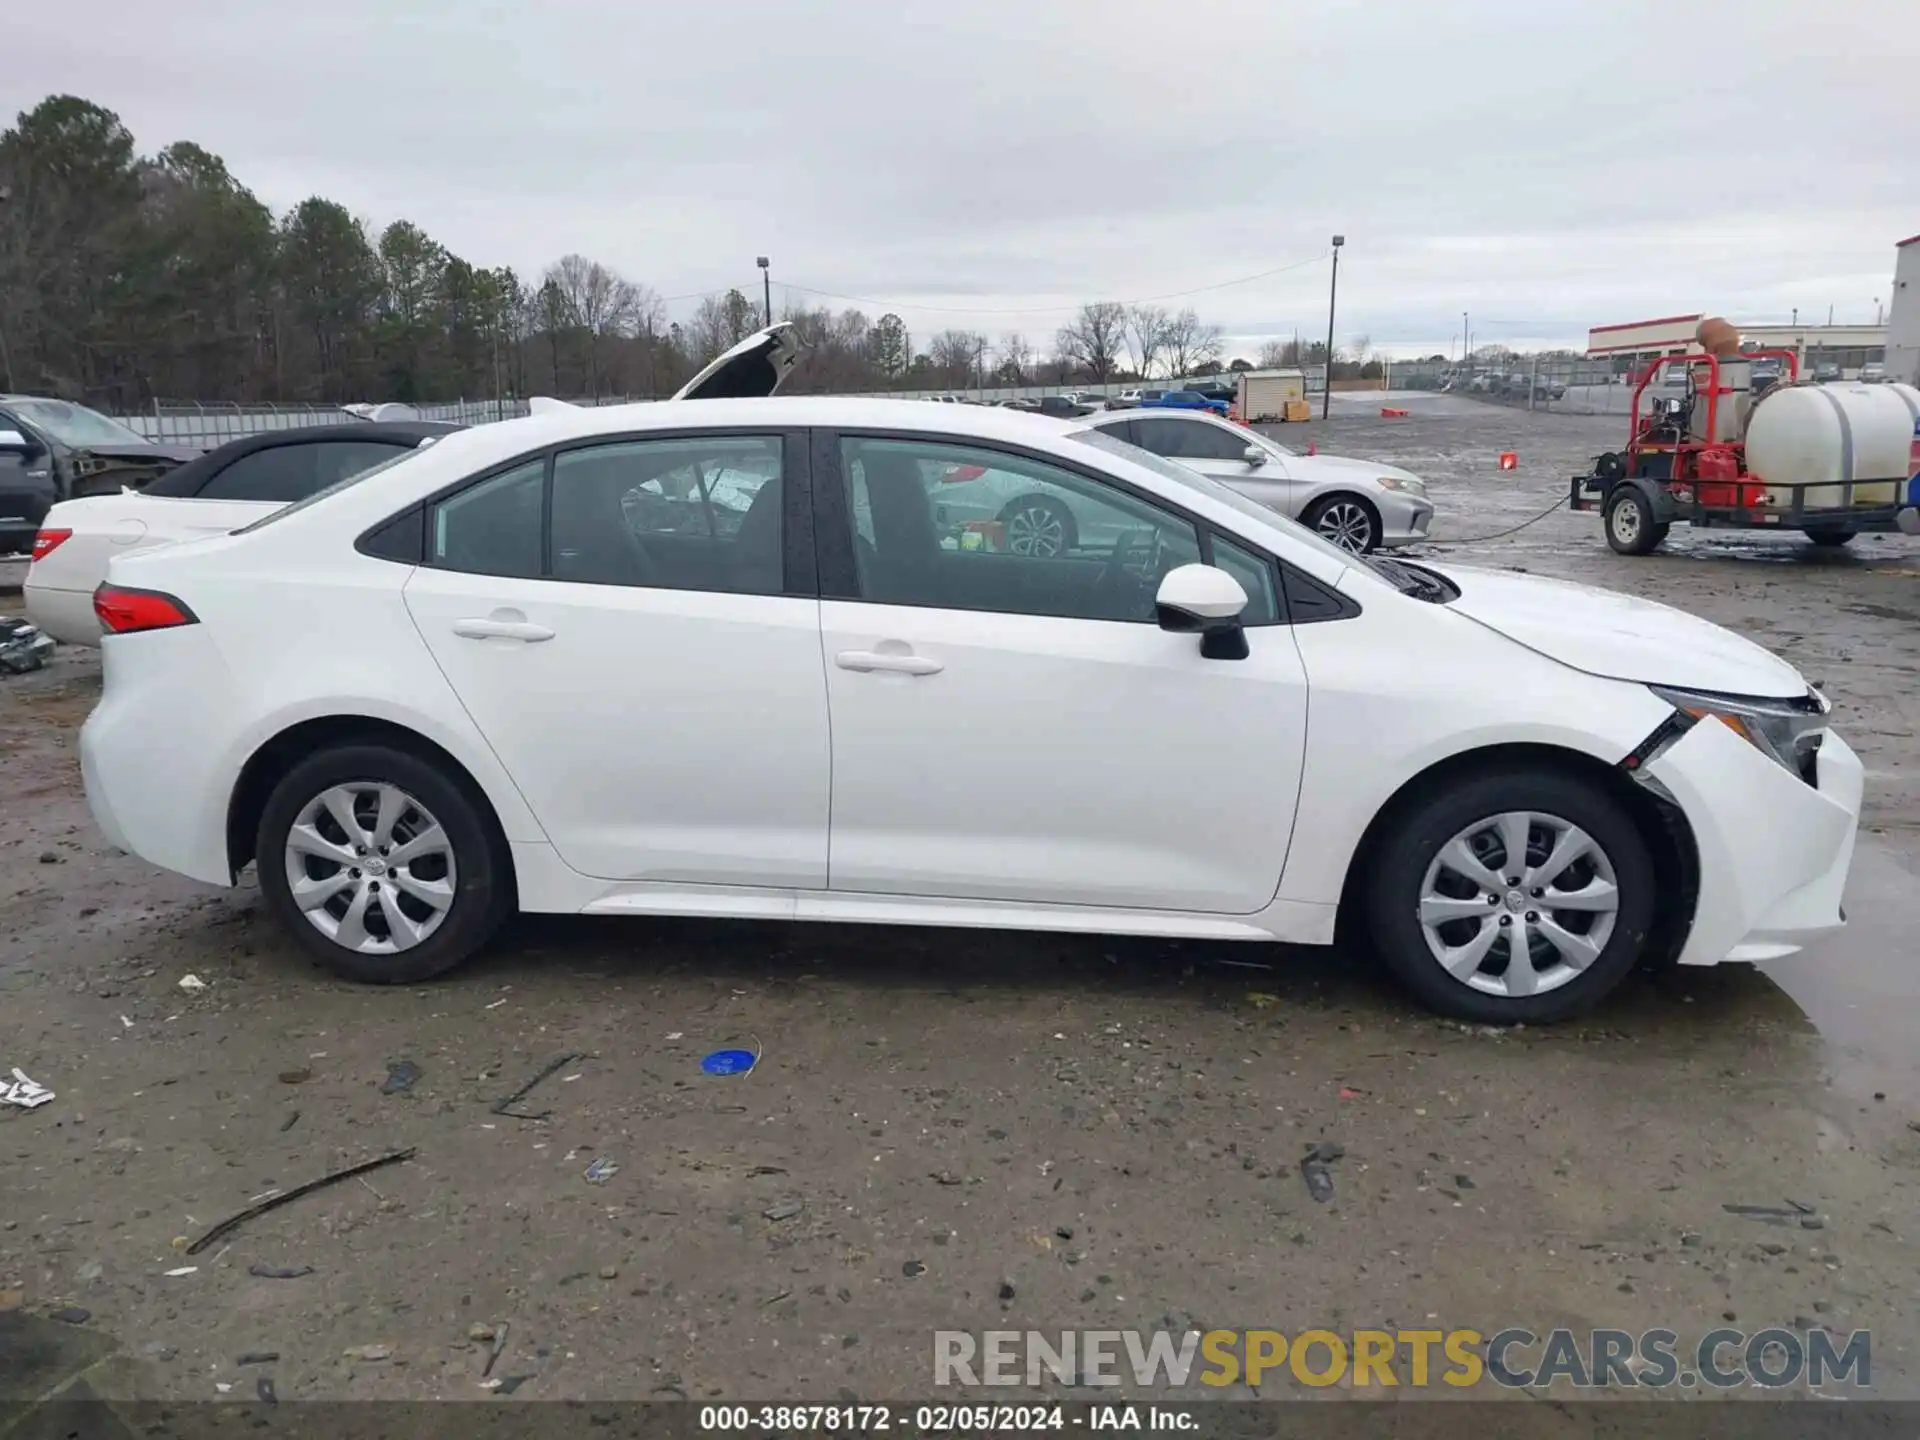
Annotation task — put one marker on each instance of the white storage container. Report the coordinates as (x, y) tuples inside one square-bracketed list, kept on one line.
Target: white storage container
[(1827, 435)]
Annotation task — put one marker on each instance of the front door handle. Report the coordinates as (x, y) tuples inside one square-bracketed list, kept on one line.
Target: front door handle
[(865, 661), (492, 629)]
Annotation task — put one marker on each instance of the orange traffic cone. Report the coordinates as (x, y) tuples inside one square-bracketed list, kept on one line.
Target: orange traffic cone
[(1509, 460)]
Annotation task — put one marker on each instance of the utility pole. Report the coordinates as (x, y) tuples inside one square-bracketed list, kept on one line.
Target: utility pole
[(1333, 299), (1466, 340), (766, 286)]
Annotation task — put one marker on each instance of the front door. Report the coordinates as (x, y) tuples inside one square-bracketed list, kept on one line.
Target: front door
[(1009, 723), (649, 677)]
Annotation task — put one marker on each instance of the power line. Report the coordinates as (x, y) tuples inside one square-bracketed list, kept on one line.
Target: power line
[(1051, 309)]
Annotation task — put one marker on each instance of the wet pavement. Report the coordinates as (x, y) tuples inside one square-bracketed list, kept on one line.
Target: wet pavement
[(949, 1128)]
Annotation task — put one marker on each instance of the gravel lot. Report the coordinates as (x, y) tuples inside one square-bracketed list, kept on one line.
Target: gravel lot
[(977, 1130)]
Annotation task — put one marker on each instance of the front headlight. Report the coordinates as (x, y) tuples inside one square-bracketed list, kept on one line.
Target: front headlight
[(1786, 731), (1405, 484)]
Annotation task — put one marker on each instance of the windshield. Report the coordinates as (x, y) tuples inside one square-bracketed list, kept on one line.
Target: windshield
[(334, 489), (74, 425), (1213, 489)]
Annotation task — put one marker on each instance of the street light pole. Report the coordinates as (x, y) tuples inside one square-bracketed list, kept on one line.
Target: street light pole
[(766, 286), (1333, 297)]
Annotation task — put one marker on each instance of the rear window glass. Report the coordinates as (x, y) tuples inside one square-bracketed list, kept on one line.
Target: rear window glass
[(335, 488)]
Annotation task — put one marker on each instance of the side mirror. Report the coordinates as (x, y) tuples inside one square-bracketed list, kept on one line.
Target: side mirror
[(14, 440), (1205, 601), (1254, 455)]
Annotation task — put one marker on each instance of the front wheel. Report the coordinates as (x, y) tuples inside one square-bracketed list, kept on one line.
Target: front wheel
[(384, 868), (1630, 529), (1830, 539), (1350, 523), (1038, 526), (1524, 896)]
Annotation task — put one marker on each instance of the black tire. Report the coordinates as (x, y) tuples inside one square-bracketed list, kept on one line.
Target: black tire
[(1419, 833), (482, 891), (1831, 539), (1317, 511), (1630, 529), (1057, 514)]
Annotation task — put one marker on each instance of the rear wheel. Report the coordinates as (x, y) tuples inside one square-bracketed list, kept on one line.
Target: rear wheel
[(1514, 897), (1346, 520), (1630, 529), (384, 868), (1831, 539)]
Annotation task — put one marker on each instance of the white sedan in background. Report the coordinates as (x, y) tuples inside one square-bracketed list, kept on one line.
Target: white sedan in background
[(217, 492), (528, 691)]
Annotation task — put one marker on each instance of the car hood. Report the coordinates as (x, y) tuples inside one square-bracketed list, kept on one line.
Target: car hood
[(1619, 636), (753, 369), (141, 452)]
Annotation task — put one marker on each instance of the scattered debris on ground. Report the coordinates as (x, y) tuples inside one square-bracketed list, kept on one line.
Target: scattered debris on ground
[(275, 1201), (402, 1076), (25, 1093), (23, 647), (505, 1105), (1313, 1169), (601, 1171)]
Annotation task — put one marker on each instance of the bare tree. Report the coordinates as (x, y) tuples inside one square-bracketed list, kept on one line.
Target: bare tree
[(956, 355), (1188, 343), (1278, 355), (708, 333), (1092, 340), (604, 305), (1016, 359), (1147, 336)]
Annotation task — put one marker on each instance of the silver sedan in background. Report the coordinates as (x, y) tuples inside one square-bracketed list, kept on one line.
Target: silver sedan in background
[(1360, 505)]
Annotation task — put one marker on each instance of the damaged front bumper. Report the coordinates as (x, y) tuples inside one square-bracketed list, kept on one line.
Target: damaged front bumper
[(1774, 847)]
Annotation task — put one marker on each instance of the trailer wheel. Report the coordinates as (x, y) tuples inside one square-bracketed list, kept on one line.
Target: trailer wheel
[(1832, 539), (1630, 529)]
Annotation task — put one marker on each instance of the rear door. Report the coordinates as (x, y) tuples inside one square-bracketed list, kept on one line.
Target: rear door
[(650, 675)]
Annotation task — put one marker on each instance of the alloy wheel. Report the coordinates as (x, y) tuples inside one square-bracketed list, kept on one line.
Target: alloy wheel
[(1347, 524), (370, 867), (1519, 904), (1036, 530)]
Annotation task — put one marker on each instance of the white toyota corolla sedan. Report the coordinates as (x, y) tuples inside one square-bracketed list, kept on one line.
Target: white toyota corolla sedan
[(543, 665)]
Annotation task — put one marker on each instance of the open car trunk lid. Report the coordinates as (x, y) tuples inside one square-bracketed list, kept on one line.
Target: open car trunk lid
[(756, 367)]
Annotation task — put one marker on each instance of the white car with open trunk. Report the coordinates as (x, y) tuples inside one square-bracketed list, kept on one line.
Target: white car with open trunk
[(529, 666)]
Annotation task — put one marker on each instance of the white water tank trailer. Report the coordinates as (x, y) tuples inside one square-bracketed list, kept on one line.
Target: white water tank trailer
[(1829, 435)]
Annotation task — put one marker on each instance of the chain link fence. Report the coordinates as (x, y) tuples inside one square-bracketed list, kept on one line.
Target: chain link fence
[(211, 423)]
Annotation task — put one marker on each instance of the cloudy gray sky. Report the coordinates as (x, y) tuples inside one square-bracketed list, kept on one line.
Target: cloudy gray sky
[(1543, 164)]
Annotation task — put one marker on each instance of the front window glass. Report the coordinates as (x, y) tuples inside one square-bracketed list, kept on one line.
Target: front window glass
[(953, 527)]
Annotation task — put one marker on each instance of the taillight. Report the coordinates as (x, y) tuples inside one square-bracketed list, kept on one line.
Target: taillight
[(123, 611), (48, 541)]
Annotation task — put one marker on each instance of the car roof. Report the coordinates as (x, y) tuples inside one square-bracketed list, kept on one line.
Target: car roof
[(188, 478), (336, 516)]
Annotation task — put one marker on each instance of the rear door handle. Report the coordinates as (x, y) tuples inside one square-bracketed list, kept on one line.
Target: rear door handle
[(865, 661), (501, 630)]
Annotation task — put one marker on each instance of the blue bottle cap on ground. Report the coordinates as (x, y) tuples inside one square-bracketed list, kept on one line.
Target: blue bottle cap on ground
[(728, 1062)]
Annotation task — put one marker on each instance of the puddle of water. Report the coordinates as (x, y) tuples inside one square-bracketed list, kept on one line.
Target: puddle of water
[(1861, 989)]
